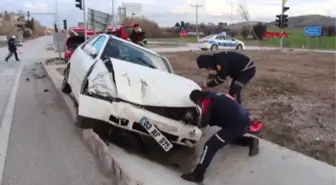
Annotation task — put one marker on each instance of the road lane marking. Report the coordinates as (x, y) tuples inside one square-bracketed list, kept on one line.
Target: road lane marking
[(7, 122)]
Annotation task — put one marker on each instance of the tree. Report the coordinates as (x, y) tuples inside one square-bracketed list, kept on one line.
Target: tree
[(220, 24), (259, 30), (245, 32), (202, 25), (177, 25)]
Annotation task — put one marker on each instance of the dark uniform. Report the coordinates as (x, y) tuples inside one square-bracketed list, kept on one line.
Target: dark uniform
[(223, 111), (228, 63), (12, 49), (138, 37)]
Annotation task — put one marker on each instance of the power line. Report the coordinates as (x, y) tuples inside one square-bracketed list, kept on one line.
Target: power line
[(196, 6)]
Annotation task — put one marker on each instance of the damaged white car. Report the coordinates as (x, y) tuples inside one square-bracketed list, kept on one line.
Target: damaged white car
[(117, 82)]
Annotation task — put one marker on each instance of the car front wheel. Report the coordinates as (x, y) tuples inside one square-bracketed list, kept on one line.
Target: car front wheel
[(214, 47), (65, 87), (239, 47)]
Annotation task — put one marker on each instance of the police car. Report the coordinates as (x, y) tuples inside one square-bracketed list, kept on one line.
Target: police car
[(220, 41)]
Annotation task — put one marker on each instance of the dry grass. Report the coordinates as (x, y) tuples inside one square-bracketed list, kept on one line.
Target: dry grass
[(292, 93)]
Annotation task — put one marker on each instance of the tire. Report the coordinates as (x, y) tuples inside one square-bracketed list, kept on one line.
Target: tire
[(65, 87), (239, 47), (214, 47), (130, 141)]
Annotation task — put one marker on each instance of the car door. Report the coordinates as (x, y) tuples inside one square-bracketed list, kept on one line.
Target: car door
[(220, 41), (76, 61), (86, 60), (230, 43)]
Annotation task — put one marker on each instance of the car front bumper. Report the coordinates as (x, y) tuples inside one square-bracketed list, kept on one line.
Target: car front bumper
[(125, 115)]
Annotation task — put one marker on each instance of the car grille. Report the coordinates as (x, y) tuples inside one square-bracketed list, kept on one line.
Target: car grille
[(173, 112)]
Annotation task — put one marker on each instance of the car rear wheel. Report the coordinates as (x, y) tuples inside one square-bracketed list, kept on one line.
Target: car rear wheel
[(214, 47), (65, 87), (239, 47)]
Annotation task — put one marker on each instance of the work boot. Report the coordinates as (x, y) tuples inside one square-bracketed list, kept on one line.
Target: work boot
[(196, 176), (253, 146)]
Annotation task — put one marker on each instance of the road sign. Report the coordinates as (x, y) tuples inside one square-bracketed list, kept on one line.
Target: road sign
[(98, 21), (312, 31)]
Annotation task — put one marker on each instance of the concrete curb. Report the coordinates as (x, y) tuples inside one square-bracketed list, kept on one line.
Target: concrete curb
[(108, 164)]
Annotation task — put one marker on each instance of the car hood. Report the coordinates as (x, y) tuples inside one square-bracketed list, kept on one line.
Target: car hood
[(146, 86)]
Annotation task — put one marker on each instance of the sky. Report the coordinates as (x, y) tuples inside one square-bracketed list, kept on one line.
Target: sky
[(167, 13)]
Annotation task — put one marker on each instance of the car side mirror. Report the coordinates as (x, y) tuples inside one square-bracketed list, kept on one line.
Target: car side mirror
[(90, 50)]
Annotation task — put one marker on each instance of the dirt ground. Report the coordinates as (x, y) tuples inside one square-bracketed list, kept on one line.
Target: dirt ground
[(293, 94)]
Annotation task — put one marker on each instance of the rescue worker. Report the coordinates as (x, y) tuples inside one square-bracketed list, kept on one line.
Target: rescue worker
[(239, 67), (137, 36), (223, 111), (12, 49)]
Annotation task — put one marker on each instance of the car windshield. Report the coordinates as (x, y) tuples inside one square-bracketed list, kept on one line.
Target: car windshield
[(127, 52)]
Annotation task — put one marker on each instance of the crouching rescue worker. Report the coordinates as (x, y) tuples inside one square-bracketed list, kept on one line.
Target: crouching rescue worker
[(223, 111), (138, 36), (228, 63)]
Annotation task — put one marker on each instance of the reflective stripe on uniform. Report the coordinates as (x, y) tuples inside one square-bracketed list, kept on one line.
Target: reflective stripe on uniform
[(219, 138), (248, 66), (204, 154), (239, 83)]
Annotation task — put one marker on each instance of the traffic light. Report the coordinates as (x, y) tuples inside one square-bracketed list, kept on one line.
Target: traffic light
[(278, 21), (182, 25), (79, 4), (28, 14), (65, 24), (284, 21), (284, 9)]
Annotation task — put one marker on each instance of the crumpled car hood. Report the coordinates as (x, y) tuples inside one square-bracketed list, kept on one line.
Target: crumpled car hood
[(146, 86)]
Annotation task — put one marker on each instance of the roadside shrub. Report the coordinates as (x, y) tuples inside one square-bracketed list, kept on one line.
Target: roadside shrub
[(245, 32), (259, 30)]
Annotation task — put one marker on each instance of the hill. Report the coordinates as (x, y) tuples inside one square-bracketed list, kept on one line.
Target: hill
[(309, 20), (294, 22)]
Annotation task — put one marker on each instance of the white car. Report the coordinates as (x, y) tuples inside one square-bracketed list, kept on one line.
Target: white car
[(130, 87), (220, 41)]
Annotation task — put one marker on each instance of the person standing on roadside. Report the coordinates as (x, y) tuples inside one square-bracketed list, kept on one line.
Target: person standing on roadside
[(12, 49)]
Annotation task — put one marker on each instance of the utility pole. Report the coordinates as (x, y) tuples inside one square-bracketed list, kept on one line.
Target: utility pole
[(197, 6), (113, 12), (231, 13), (56, 12), (85, 22)]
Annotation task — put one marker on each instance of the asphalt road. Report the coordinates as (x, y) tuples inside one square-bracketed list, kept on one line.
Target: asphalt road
[(44, 147)]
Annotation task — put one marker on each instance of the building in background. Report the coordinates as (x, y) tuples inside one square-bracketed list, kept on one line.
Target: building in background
[(133, 10)]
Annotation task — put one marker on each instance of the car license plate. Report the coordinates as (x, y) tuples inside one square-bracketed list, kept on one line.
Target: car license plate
[(156, 134)]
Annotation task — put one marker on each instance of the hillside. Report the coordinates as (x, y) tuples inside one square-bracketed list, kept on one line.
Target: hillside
[(310, 20), (295, 22)]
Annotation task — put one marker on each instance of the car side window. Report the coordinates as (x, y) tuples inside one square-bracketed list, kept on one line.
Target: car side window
[(90, 41), (220, 38), (228, 38), (99, 43)]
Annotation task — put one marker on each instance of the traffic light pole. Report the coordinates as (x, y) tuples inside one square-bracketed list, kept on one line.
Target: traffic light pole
[(281, 22), (85, 22)]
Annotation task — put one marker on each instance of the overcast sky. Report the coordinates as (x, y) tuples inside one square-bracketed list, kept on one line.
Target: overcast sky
[(168, 12)]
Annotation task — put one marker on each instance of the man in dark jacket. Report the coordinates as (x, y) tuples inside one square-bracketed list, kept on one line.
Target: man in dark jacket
[(12, 49), (228, 63), (138, 36), (223, 111)]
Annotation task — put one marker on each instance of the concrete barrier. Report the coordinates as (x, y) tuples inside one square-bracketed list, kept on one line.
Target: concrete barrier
[(108, 164)]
